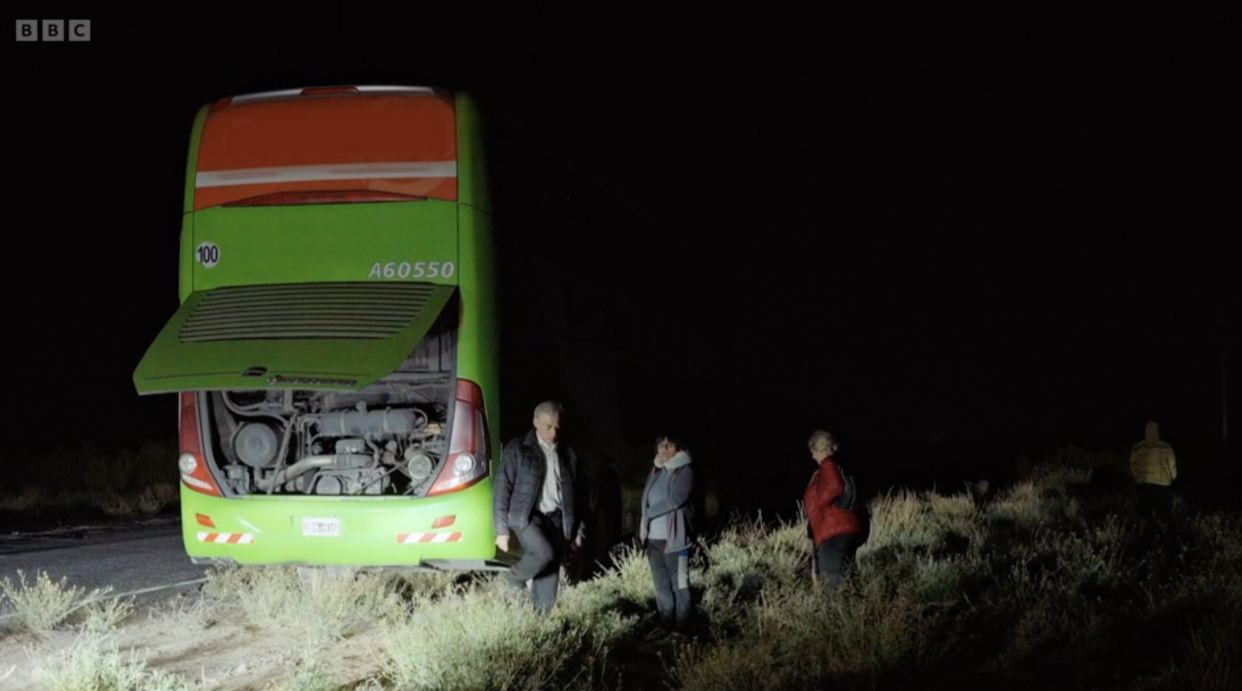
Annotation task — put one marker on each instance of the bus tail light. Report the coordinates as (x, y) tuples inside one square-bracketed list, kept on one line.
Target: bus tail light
[(191, 464), (469, 455)]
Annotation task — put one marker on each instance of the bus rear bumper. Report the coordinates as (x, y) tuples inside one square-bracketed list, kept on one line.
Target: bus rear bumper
[(452, 532), (428, 566)]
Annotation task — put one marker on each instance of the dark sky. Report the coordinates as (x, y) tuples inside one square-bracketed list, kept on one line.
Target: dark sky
[(934, 235)]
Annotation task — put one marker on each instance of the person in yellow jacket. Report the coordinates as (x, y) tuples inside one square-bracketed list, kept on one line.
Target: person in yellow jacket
[(1154, 468)]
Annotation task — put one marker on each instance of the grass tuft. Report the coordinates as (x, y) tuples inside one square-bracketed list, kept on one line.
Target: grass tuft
[(42, 606), (94, 662)]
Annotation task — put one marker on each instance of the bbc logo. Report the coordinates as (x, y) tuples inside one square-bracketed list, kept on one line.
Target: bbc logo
[(53, 29)]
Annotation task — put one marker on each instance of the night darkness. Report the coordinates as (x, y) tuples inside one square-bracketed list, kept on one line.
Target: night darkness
[(1000, 242)]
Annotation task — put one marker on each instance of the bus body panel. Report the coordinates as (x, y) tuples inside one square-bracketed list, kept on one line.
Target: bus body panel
[(185, 272), (479, 344), (191, 163), (401, 241), (479, 340), (474, 183)]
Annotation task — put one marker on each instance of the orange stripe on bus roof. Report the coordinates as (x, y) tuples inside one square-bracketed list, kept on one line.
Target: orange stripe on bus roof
[(328, 130)]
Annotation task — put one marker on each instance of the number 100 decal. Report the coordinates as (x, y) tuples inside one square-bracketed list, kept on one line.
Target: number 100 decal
[(415, 270), (208, 254)]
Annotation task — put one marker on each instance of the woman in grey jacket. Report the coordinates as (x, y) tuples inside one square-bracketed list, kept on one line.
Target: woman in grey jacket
[(665, 529)]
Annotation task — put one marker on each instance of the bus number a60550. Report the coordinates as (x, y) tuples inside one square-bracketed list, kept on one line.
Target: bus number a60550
[(414, 270)]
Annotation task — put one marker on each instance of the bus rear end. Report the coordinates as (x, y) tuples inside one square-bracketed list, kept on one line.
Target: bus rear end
[(334, 352)]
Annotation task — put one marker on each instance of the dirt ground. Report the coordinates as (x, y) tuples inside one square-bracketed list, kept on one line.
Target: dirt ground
[(217, 652)]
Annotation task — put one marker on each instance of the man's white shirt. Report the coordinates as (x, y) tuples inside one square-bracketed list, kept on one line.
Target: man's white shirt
[(550, 499)]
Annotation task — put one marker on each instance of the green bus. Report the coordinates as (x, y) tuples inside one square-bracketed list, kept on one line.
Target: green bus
[(338, 354)]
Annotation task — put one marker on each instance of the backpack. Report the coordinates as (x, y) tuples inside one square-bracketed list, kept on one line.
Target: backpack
[(848, 493)]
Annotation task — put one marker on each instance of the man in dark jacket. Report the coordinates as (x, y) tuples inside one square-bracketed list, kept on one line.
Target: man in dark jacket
[(539, 494)]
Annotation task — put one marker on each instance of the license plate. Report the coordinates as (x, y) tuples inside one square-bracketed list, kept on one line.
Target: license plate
[(321, 527)]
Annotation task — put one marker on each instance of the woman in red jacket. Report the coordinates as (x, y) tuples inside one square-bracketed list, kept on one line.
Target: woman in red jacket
[(832, 529)]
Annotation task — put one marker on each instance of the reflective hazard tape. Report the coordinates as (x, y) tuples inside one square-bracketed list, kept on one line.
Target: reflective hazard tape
[(195, 482), (230, 538), (408, 538)]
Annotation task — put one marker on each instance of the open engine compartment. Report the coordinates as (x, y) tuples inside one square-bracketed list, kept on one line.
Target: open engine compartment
[(390, 438)]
